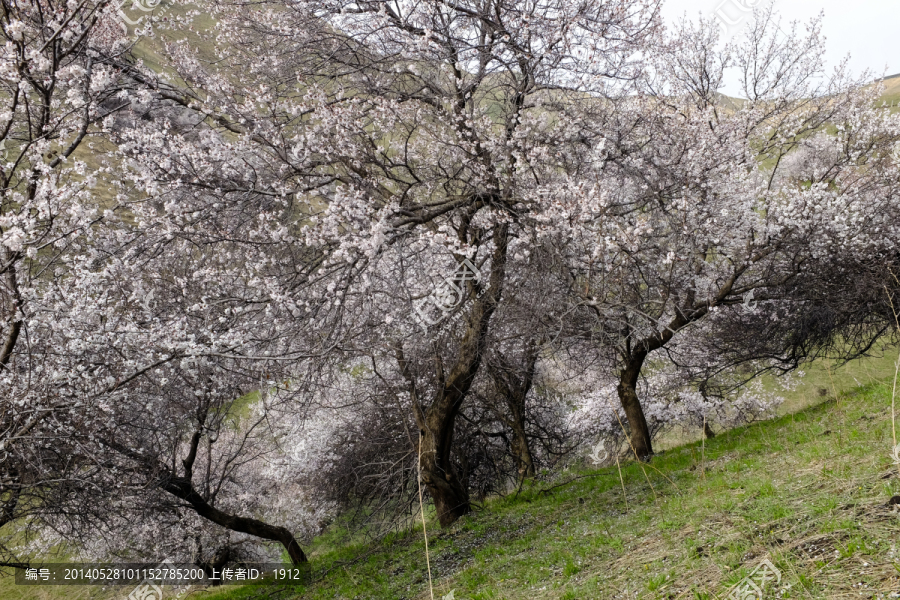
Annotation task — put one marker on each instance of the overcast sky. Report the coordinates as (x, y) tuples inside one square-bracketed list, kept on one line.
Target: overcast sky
[(868, 30)]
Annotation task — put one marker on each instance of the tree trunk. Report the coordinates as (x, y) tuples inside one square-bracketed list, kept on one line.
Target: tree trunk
[(451, 499), (513, 383), (627, 388), (436, 421), (15, 327), (522, 453), (181, 488)]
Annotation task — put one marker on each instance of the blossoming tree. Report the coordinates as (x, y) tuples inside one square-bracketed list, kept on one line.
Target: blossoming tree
[(713, 209)]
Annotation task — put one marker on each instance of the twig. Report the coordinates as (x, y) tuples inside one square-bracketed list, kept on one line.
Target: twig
[(703, 450), (837, 401), (549, 489), (422, 512), (622, 481), (521, 483), (345, 563)]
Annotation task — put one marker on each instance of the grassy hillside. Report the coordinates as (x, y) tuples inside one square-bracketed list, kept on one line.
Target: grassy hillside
[(892, 89), (808, 491)]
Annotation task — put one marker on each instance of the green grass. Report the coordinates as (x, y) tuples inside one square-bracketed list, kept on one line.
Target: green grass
[(834, 379), (892, 90), (808, 491)]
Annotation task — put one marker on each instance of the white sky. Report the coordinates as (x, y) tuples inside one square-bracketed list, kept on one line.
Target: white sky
[(867, 30)]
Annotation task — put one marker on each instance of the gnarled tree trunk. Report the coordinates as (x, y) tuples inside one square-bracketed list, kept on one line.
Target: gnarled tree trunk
[(436, 421), (451, 498), (514, 384), (183, 489), (627, 389)]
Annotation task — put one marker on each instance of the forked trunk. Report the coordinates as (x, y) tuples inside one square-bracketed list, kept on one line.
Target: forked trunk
[(513, 384), (436, 420), (640, 432), (451, 499)]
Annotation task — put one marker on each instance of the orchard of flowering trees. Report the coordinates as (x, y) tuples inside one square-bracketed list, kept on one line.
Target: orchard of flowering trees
[(214, 264)]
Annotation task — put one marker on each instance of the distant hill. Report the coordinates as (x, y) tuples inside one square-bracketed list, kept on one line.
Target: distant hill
[(892, 91)]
